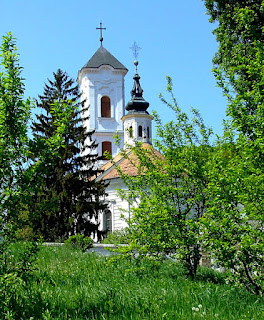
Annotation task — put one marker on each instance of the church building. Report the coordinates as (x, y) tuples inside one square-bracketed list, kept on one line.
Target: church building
[(102, 86)]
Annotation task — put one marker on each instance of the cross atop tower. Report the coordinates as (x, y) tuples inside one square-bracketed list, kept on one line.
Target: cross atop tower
[(135, 49), (101, 33)]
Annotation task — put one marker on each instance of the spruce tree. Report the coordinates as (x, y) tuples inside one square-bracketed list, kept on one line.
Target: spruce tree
[(69, 199)]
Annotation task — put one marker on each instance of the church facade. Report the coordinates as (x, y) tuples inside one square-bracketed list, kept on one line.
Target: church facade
[(102, 86)]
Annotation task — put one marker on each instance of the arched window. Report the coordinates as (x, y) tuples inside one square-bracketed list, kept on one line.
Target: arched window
[(140, 131), (148, 132), (130, 132), (108, 221), (106, 149), (105, 107)]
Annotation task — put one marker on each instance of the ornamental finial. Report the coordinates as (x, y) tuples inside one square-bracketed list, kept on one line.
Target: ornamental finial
[(101, 33), (135, 49)]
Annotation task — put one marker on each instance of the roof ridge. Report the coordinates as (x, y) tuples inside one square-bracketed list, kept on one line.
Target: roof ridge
[(103, 57)]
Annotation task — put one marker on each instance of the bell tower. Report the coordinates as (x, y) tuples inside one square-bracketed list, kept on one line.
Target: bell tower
[(137, 121), (101, 82)]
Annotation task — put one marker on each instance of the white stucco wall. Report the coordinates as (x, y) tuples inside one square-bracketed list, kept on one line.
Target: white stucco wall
[(120, 209), (134, 121), (94, 84)]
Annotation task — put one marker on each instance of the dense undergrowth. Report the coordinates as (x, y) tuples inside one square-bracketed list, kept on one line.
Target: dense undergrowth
[(70, 284)]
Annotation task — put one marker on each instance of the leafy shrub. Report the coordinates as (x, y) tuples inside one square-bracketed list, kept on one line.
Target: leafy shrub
[(118, 237), (17, 266), (79, 241)]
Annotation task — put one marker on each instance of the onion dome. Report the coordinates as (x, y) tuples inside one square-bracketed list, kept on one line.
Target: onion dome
[(137, 104)]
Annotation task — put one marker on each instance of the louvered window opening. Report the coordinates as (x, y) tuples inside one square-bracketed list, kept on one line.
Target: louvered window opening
[(106, 148), (105, 107)]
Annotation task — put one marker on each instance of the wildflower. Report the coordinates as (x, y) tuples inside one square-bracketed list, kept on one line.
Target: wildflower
[(200, 306)]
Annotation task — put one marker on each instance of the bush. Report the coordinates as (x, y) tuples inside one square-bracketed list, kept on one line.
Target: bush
[(79, 241), (118, 237), (17, 267)]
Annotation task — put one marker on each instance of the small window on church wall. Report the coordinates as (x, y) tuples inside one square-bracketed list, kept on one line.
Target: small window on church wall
[(108, 218), (148, 132), (106, 149), (105, 107), (140, 131), (130, 132)]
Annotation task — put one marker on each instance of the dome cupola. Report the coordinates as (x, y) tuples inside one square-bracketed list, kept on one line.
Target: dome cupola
[(137, 102), (137, 121)]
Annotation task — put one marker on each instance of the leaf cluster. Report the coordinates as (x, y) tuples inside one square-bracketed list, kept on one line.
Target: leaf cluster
[(169, 189), (234, 223), (79, 241), (238, 63)]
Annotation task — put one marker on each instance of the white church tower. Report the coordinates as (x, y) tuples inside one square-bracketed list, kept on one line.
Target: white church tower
[(102, 88), (137, 124), (137, 121), (101, 82)]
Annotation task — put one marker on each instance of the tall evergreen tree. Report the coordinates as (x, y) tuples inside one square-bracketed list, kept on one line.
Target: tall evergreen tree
[(69, 199)]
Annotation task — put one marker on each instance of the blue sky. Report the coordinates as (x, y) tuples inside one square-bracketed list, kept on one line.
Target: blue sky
[(175, 37)]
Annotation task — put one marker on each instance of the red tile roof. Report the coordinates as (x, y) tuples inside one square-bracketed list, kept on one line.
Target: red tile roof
[(127, 163)]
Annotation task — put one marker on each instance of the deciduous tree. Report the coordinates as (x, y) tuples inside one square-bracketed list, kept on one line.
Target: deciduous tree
[(14, 116), (238, 63), (170, 188), (234, 219)]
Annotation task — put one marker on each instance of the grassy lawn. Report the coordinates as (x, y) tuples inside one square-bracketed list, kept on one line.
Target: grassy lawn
[(73, 285)]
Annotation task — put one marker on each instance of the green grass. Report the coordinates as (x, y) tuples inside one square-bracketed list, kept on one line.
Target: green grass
[(74, 285)]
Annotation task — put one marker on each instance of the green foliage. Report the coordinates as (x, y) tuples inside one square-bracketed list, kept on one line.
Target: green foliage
[(234, 222), (234, 219), (72, 285), (169, 190), (22, 262), (118, 237), (15, 270), (17, 264), (238, 64), (117, 138), (68, 199), (14, 116), (79, 241)]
